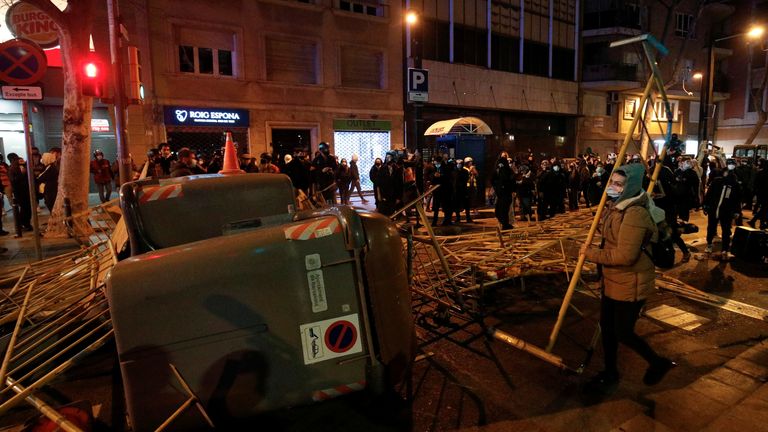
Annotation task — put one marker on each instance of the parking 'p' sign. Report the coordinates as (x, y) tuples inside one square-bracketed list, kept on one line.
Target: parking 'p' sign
[(21, 62), (418, 85)]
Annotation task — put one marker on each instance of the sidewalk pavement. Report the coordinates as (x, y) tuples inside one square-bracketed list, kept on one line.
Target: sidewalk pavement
[(733, 397), (21, 250)]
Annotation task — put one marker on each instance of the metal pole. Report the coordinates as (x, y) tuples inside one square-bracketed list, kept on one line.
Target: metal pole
[(123, 158), (705, 100), (31, 180)]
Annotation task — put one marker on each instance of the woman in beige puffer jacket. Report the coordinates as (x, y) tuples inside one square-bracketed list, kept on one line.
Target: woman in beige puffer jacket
[(628, 274)]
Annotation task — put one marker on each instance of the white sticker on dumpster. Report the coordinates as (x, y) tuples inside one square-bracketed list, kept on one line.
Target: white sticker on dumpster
[(331, 338), (312, 261), (317, 291)]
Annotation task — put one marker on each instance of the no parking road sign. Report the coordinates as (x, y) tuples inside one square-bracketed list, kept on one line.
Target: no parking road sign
[(21, 62), (331, 338)]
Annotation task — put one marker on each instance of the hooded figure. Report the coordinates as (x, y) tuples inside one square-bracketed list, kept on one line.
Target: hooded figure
[(628, 274)]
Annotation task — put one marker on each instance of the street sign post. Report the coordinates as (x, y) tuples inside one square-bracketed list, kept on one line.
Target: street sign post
[(22, 92), (418, 85), (23, 63)]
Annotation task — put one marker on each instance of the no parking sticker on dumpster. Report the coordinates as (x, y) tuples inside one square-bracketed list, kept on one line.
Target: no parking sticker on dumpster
[(329, 339)]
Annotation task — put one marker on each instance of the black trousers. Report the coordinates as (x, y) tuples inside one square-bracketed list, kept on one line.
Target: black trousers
[(617, 323), (501, 210), (725, 222)]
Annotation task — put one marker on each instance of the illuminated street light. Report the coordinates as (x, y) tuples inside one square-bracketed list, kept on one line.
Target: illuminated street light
[(755, 32), (411, 18), (697, 76)]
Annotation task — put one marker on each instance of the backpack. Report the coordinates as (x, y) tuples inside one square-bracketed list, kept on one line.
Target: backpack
[(662, 250)]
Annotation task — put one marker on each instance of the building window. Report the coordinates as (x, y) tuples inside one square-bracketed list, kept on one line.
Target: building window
[(205, 52), (683, 25), (365, 7), (470, 45), (505, 52), (660, 112), (562, 63), (755, 100), (361, 67), (292, 61), (435, 40), (205, 61), (536, 58)]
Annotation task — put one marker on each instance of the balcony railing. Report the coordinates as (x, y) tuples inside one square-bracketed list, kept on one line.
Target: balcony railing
[(610, 72)]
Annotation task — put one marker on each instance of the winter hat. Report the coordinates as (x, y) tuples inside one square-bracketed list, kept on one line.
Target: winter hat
[(635, 173)]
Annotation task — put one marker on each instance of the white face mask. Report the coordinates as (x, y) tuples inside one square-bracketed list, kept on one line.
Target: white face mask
[(556, 168), (613, 192), (731, 167)]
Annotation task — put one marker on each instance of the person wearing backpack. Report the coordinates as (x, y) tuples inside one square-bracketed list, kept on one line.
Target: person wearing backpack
[(628, 274), (722, 204), (671, 193)]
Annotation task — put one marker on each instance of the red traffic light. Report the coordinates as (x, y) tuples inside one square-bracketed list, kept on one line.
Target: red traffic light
[(92, 77), (91, 70)]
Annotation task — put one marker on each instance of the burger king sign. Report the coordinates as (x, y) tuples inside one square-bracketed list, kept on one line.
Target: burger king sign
[(28, 22)]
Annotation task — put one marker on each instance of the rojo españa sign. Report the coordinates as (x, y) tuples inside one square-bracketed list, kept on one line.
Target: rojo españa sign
[(194, 116)]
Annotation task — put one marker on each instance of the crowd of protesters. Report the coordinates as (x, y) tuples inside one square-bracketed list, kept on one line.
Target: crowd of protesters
[(516, 185)]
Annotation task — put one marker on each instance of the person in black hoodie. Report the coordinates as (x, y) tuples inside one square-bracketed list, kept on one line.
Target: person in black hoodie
[(20, 186), (761, 190), (503, 186), (442, 197), (390, 184), (373, 174), (722, 204)]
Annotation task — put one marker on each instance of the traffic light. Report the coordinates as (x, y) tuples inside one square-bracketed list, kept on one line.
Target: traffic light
[(93, 73), (135, 86)]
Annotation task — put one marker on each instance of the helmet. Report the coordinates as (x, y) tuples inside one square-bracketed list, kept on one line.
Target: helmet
[(323, 146), (467, 159)]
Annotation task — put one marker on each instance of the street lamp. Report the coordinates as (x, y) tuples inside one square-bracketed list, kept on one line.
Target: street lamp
[(707, 97), (413, 54), (411, 17)]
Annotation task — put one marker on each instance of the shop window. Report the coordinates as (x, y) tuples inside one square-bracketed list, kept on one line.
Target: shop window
[(367, 145), (361, 67), (291, 60), (683, 25), (205, 52)]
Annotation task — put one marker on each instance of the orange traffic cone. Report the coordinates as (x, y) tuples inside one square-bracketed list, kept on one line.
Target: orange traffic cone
[(231, 165)]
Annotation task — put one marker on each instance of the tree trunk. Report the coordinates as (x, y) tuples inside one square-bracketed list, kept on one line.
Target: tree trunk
[(75, 144), (74, 37), (75, 23)]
